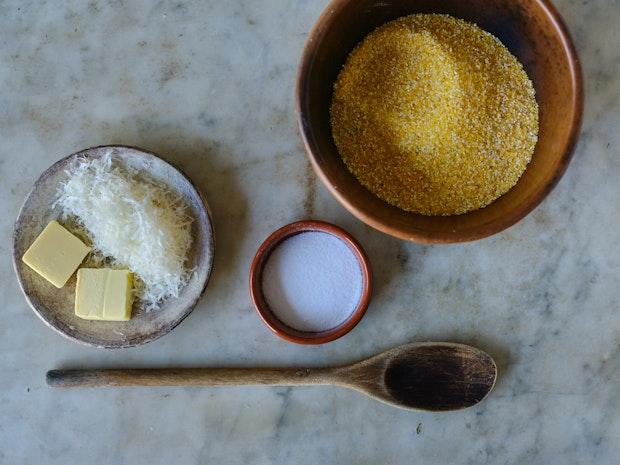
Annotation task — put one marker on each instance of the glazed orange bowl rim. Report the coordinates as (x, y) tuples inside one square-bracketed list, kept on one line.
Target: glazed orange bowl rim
[(256, 286)]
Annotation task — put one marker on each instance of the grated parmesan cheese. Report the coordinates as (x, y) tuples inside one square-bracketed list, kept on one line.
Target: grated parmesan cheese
[(133, 221)]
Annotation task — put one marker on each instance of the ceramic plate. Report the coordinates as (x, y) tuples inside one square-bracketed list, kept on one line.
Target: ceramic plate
[(56, 306)]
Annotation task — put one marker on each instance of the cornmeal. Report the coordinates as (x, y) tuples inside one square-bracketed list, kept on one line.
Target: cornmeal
[(434, 115)]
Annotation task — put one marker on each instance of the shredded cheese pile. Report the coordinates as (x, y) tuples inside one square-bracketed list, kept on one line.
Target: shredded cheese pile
[(133, 221)]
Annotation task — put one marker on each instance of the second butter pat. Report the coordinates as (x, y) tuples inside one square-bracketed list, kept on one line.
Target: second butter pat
[(103, 294)]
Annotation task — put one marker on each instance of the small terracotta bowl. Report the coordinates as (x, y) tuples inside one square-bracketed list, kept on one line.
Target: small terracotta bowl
[(531, 29), (256, 289)]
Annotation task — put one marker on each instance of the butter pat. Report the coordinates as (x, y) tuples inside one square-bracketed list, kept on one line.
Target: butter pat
[(103, 294), (55, 254)]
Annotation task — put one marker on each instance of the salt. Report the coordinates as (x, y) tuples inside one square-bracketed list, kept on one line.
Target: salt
[(312, 281)]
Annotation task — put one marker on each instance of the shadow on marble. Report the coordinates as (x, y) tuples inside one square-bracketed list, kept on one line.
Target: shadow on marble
[(389, 257), (228, 205), (207, 164)]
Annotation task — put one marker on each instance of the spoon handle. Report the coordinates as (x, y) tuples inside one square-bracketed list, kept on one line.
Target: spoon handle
[(190, 377)]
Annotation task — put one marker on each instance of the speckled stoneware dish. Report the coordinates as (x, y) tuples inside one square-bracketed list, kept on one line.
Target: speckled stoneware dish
[(56, 306)]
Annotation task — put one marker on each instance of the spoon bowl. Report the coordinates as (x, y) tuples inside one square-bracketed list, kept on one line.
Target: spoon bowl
[(431, 376)]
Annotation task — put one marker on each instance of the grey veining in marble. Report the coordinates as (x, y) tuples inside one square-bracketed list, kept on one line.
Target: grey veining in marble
[(209, 85)]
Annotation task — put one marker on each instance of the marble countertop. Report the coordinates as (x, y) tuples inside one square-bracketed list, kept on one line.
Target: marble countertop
[(209, 85)]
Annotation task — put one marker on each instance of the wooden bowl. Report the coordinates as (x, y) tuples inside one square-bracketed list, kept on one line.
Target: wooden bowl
[(56, 306), (256, 287), (531, 29)]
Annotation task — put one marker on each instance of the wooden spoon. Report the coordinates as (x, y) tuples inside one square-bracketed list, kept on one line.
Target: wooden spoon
[(434, 376)]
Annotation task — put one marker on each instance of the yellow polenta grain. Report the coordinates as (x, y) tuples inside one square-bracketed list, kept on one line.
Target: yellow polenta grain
[(434, 115)]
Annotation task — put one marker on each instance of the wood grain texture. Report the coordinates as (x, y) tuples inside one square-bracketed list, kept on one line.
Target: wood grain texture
[(189, 377), (531, 29), (429, 376)]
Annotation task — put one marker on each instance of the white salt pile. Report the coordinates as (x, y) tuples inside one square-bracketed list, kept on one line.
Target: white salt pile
[(312, 281)]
